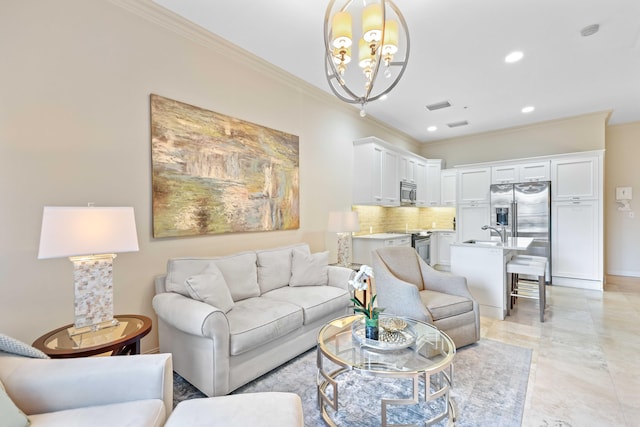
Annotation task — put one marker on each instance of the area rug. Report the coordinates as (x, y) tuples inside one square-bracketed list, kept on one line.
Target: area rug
[(489, 386)]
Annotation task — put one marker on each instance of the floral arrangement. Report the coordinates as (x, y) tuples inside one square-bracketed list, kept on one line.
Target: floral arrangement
[(361, 282)]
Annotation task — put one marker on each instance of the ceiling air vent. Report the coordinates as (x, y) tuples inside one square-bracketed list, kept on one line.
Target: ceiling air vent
[(458, 124), (438, 105)]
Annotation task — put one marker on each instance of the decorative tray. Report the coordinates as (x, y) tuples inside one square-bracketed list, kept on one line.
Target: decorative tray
[(394, 334)]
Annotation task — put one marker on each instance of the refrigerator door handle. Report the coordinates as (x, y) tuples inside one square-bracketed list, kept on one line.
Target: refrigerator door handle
[(514, 219)]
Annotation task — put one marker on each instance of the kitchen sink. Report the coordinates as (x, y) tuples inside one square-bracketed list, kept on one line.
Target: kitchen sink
[(484, 242)]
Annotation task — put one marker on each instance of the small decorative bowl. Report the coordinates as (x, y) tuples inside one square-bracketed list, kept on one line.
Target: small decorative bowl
[(392, 324)]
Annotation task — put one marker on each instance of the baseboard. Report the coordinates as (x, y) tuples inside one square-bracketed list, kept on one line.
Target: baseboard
[(592, 285), (155, 350), (627, 273)]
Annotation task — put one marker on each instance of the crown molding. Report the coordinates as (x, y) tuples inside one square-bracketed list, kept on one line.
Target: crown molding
[(175, 23)]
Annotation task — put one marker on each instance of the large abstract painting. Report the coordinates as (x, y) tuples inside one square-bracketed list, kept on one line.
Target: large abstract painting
[(217, 174)]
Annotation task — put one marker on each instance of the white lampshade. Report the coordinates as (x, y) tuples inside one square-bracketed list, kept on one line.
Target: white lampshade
[(343, 222), (74, 231), (341, 30), (372, 18)]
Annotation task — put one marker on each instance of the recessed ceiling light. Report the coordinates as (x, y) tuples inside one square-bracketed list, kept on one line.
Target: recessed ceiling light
[(432, 128), (513, 57), (528, 109)]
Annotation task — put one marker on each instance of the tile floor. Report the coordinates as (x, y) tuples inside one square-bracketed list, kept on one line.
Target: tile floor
[(585, 367)]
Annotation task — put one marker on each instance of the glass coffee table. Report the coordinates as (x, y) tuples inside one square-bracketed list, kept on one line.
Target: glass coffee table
[(410, 350)]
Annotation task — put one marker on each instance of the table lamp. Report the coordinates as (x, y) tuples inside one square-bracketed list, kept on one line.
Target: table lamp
[(90, 237), (343, 223)]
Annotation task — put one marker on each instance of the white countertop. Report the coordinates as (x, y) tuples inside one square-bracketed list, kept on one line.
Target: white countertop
[(514, 244)]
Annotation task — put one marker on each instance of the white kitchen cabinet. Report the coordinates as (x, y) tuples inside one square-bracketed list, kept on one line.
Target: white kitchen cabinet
[(507, 174), (448, 184), (470, 220), (445, 240), (364, 245), (473, 185), (375, 180), (433, 169), (575, 178), (576, 241), (407, 168), (422, 184), (535, 171), (520, 172)]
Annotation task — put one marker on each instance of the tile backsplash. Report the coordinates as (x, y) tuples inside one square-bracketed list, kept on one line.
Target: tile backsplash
[(378, 219)]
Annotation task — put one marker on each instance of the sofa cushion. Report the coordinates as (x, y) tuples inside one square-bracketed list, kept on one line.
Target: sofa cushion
[(139, 413), (274, 267), (256, 321), (442, 305), (316, 301), (11, 415), (210, 288), (180, 269), (309, 269), (241, 274)]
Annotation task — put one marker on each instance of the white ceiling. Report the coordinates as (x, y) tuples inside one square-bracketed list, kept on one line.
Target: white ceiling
[(457, 54)]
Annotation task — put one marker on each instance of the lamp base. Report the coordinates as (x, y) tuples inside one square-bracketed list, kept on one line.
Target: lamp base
[(73, 331), (344, 249), (93, 286)]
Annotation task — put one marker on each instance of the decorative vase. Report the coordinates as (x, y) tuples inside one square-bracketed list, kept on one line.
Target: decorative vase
[(371, 328)]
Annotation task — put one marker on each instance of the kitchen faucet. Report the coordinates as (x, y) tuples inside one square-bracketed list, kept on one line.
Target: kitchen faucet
[(502, 232)]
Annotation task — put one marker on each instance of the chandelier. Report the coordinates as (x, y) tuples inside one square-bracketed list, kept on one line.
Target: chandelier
[(382, 49)]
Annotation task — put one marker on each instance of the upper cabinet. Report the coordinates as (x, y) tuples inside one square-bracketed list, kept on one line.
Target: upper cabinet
[(448, 184), (522, 172), (575, 178), (379, 167), (432, 187), (375, 170), (536, 171), (473, 185)]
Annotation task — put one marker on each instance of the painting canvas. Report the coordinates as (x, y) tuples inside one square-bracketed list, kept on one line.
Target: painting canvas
[(217, 174)]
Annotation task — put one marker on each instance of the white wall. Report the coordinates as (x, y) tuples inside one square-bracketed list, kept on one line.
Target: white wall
[(622, 233), (74, 128), (573, 134)]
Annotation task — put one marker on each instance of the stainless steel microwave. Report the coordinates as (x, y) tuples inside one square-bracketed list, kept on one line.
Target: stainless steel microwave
[(407, 193)]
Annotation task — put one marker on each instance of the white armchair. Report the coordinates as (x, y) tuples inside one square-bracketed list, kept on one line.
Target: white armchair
[(95, 391), (408, 286), (130, 391)]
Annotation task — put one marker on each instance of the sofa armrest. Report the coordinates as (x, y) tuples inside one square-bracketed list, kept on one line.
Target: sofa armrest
[(339, 276), (48, 385), (190, 316)]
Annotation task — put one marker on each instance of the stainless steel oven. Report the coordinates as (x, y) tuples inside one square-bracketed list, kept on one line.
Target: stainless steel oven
[(422, 244), (407, 193)]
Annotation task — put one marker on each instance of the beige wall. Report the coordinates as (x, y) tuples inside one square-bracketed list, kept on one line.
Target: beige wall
[(74, 128), (622, 233), (582, 133)]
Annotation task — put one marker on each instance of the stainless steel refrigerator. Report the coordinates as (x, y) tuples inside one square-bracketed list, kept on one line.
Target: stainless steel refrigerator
[(525, 209)]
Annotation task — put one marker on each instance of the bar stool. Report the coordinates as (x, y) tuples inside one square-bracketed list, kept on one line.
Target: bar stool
[(522, 288)]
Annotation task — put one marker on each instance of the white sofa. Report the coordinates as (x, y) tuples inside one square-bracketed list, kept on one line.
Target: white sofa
[(134, 391), (228, 320)]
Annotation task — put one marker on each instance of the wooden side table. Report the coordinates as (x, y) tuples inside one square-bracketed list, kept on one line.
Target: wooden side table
[(122, 339)]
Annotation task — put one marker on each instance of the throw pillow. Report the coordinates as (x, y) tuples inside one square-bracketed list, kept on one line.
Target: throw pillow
[(274, 267), (179, 269), (11, 415), (241, 273), (14, 346), (309, 269), (210, 288)]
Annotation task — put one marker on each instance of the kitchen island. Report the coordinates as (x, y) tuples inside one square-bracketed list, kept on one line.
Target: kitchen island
[(483, 263)]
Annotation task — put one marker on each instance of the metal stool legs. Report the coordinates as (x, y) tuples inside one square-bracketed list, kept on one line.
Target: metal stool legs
[(520, 288)]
